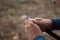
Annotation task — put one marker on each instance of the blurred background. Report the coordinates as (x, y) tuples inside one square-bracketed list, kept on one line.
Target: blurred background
[(11, 24)]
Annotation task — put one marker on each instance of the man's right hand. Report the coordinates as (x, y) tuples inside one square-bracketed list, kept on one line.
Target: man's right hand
[(43, 22)]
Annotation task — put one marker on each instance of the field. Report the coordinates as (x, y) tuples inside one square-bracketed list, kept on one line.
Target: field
[(11, 24)]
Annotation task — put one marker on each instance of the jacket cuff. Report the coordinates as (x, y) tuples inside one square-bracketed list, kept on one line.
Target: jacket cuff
[(55, 23), (39, 38)]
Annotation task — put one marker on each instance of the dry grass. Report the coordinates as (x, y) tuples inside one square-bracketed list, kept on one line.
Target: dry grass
[(11, 24)]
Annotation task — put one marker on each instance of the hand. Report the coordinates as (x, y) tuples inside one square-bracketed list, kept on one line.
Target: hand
[(43, 22), (32, 30)]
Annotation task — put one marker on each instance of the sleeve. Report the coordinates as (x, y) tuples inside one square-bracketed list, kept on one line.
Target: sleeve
[(56, 23), (39, 38)]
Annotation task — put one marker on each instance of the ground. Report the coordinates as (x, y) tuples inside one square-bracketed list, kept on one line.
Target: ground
[(11, 24)]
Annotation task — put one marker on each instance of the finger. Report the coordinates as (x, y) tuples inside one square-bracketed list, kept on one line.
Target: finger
[(33, 25), (38, 18), (27, 22), (26, 28)]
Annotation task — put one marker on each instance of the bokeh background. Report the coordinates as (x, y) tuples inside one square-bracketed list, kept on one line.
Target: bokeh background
[(11, 24)]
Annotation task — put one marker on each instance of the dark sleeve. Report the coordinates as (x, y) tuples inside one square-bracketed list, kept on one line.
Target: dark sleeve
[(39, 38), (56, 23)]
